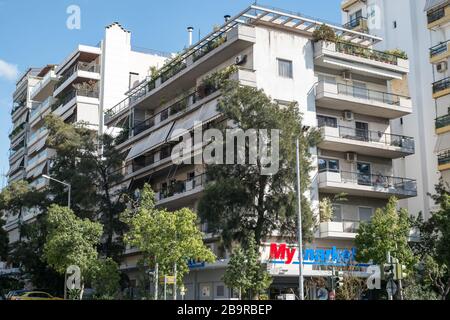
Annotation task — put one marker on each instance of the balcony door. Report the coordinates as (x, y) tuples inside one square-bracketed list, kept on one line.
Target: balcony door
[(360, 90), (362, 131), (364, 173)]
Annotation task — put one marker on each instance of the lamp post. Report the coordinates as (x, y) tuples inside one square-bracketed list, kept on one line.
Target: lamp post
[(69, 187), (300, 236)]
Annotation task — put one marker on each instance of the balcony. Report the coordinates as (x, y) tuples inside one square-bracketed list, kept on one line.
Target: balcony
[(443, 124), (346, 229), (360, 60), (438, 17), (17, 106), (440, 52), (362, 101), (74, 97), (372, 143), (444, 161), (183, 192), (366, 185), (180, 74), (358, 24), (17, 132), (44, 87), (82, 70), (441, 88), (39, 109)]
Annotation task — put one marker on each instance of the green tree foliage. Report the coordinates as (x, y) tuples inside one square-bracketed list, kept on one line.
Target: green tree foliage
[(241, 200), (324, 32), (432, 250), (245, 272), (106, 279), (388, 231), (91, 165), (164, 237)]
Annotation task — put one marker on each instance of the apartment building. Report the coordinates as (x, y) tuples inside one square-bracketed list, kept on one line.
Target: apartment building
[(79, 89), (402, 24), (347, 89)]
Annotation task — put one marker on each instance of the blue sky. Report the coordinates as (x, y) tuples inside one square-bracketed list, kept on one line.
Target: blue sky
[(34, 33)]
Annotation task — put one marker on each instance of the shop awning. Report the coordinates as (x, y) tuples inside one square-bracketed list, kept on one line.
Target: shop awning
[(155, 139), (431, 4), (36, 172)]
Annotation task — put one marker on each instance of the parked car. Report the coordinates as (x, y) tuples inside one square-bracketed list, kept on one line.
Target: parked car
[(34, 295), (15, 293)]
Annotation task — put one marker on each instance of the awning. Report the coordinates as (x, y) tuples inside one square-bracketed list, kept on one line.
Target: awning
[(443, 142), (36, 172), (68, 113), (37, 146), (16, 165), (431, 4), (155, 139), (206, 113)]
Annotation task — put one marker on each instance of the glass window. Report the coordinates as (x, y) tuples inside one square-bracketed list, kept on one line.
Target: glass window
[(285, 68), (337, 213), (220, 291), (365, 214), (330, 165), (324, 121)]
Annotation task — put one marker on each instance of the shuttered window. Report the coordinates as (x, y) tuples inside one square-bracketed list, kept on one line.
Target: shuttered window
[(285, 68)]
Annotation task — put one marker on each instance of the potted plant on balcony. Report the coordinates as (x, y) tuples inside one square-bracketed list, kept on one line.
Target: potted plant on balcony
[(324, 33)]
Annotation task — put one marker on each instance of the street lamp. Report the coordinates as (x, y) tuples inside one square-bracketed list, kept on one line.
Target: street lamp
[(300, 236), (69, 187)]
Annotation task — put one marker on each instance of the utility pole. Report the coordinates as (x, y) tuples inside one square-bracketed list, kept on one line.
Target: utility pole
[(300, 235), (156, 280), (390, 281), (175, 282)]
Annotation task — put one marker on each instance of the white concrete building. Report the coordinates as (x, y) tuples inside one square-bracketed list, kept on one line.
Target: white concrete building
[(403, 24), (349, 90), (80, 89)]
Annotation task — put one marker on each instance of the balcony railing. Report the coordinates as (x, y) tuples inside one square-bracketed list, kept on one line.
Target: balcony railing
[(354, 50), (441, 85), (444, 158), (80, 66), (209, 46), (352, 24), (180, 187), (20, 128), (403, 142), (435, 15), (367, 94), (42, 105), (17, 106), (438, 49), (443, 121), (75, 93), (399, 185)]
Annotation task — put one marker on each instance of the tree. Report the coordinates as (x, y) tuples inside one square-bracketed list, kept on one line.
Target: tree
[(245, 271), (432, 248), (388, 231), (4, 241), (166, 238), (325, 33), (105, 279), (92, 166), (71, 241), (241, 200)]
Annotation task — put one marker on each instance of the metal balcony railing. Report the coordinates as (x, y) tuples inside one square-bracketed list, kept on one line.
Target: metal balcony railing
[(444, 157), (435, 15), (362, 93), (438, 49), (354, 50), (17, 106), (352, 24), (75, 93), (443, 121), (180, 187), (441, 85), (403, 142), (82, 66), (398, 185)]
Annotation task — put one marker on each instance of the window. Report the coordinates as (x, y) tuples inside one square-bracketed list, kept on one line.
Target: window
[(360, 90), (337, 213), (324, 121), (365, 214), (285, 68), (356, 15), (220, 291), (362, 130), (330, 165), (134, 80), (364, 174)]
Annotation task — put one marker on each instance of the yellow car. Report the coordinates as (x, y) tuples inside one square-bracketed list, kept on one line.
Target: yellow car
[(34, 295)]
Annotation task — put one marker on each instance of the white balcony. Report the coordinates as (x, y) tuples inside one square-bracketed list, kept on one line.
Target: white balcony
[(81, 71), (39, 110), (359, 60), (366, 185), (372, 143), (44, 87), (338, 230), (362, 101)]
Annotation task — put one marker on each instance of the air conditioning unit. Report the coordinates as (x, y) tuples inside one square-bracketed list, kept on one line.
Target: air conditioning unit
[(349, 116), (442, 67), (347, 75), (352, 157), (241, 59)]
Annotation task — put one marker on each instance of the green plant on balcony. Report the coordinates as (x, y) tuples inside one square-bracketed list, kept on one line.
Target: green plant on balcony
[(214, 81), (210, 46), (17, 130), (324, 33), (326, 207), (123, 136), (398, 53)]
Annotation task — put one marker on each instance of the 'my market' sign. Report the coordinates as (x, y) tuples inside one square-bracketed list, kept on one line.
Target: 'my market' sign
[(288, 255)]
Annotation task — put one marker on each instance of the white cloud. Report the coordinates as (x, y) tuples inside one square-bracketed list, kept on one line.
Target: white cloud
[(8, 71)]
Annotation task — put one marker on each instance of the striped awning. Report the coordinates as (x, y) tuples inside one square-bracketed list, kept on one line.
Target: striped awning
[(36, 172), (431, 4)]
